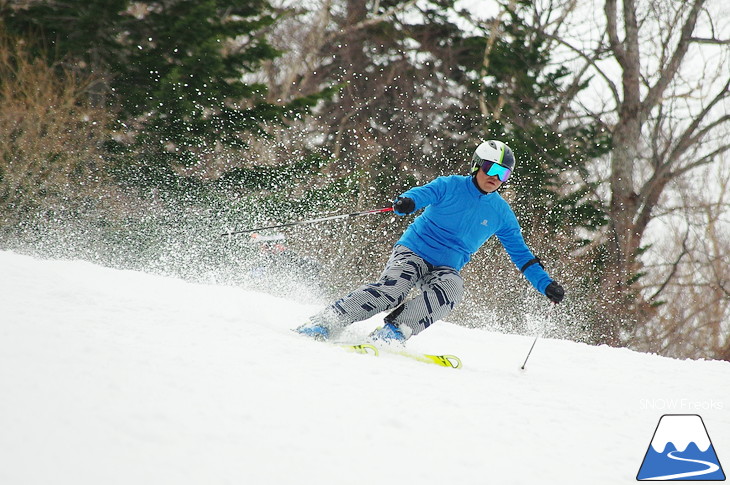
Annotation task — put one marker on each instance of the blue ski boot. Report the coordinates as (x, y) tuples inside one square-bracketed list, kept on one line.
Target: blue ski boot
[(390, 333), (315, 331)]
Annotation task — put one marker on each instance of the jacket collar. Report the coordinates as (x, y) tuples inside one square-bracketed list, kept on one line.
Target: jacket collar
[(474, 187)]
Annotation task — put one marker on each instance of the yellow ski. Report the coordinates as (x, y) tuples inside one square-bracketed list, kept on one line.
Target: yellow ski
[(361, 348), (442, 360)]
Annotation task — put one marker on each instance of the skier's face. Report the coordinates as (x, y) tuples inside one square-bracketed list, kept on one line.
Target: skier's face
[(488, 183)]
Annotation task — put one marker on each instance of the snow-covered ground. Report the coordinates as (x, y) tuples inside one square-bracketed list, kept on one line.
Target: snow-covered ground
[(120, 377)]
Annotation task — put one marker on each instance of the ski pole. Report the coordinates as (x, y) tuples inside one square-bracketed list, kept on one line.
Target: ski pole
[(536, 337), (528, 353), (311, 221)]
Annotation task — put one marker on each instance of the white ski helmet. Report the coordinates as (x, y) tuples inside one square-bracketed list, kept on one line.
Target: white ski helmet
[(494, 152)]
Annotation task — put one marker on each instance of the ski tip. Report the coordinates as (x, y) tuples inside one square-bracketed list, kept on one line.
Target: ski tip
[(453, 360), (443, 360)]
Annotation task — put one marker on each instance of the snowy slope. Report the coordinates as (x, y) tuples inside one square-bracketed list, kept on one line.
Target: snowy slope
[(119, 377)]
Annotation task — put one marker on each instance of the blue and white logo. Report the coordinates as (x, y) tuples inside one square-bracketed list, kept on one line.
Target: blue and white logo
[(681, 450)]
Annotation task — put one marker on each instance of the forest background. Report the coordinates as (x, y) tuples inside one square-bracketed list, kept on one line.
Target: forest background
[(134, 133)]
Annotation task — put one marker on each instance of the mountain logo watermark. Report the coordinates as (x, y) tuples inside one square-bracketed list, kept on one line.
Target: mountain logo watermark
[(681, 450)]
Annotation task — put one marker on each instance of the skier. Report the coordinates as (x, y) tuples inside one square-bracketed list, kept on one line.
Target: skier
[(461, 213)]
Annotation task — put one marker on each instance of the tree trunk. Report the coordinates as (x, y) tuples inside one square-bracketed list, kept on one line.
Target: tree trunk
[(624, 238), (632, 201)]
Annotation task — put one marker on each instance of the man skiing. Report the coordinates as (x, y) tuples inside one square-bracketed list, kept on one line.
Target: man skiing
[(461, 213)]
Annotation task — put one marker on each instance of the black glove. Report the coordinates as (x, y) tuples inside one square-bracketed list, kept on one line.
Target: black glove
[(555, 292), (404, 205)]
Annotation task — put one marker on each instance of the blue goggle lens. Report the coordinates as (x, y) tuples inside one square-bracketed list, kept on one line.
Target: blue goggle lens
[(492, 168)]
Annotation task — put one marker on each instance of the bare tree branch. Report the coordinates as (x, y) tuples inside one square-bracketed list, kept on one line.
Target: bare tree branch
[(493, 36), (370, 21), (701, 40), (611, 11), (689, 137), (702, 161), (675, 267), (591, 61), (669, 72)]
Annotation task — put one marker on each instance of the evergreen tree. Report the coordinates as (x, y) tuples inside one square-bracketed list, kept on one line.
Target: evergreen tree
[(180, 76), (175, 72)]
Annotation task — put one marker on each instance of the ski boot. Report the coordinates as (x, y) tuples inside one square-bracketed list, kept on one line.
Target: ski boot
[(314, 331), (388, 334)]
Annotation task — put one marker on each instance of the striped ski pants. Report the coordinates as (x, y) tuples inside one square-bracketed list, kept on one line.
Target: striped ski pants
[(441, 290)]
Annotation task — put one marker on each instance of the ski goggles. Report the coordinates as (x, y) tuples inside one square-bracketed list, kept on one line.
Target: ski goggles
[(493, 168)]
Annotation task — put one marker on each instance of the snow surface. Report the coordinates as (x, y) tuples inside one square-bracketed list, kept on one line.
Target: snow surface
[(121, 377)]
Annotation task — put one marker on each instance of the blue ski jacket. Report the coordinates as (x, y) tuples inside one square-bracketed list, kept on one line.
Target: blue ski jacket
[(458, 220)]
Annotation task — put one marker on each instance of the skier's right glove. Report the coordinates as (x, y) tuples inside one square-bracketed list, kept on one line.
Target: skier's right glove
[(404, 206), (555, 292)]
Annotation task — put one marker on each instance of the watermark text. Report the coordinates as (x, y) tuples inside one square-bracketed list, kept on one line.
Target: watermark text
[(681, 404)]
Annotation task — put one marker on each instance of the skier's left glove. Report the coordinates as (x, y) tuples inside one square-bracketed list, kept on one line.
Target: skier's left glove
[(404, 206), (555, 292)]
